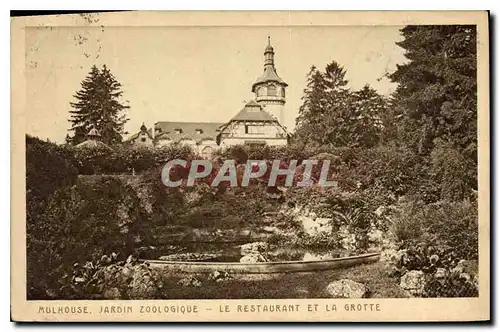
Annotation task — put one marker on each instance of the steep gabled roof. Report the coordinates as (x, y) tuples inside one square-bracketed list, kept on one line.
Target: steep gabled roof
[(253, 112)]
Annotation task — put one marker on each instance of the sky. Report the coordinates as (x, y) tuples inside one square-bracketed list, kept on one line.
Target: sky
[(193, 74)]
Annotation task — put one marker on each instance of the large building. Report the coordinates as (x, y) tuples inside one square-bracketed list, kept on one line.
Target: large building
[(260, 122)]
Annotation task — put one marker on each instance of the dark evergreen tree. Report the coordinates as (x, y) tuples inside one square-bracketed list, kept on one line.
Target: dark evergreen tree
[(324, 98), (333, 116), (367, 110), (97, 105), (436, 95)]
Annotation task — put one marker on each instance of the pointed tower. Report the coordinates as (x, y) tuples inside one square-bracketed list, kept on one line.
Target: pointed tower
[(269, 88)]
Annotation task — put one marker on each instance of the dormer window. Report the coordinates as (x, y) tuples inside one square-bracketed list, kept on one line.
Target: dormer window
[(199, 131), (178, 130)]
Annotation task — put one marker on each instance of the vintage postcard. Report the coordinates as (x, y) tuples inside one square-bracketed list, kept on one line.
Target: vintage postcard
[(250, 166)]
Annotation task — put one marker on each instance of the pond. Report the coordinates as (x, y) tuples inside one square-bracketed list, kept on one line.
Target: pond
[(231, 252)]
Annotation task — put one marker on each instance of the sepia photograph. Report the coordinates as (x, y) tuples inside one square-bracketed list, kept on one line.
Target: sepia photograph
[(334, 163)]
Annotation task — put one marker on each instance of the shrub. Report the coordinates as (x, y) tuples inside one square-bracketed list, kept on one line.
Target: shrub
[(107, 278), (456, 174), (346, 210), (126, 158), (445, 225), (48, 168), (81, 223)]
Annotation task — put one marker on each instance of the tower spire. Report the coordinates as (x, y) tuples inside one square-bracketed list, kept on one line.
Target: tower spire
[(269, 54)]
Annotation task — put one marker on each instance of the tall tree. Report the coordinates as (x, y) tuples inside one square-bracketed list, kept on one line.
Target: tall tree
[(333, 116), (97, 106), (436, 94), (324, 97), (367, 111)]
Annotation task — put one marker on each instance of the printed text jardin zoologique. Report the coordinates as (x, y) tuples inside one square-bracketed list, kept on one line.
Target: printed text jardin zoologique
[(286, 173)]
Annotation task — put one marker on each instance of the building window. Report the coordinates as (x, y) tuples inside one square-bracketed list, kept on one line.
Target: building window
[(254, 129), (199, 131), (261, 91), (143, 139), (271, 90), (282, 92), (178, 130)]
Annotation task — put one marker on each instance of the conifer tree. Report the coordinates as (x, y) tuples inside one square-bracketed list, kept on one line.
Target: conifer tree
[(97, 106), (333, 116), (436, 94)]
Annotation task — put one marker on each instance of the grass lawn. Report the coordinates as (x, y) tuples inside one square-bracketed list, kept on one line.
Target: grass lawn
[(293, 285)]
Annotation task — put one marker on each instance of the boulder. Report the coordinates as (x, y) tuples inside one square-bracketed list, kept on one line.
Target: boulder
[(413, 282), (112, 294), (189, 282), (253, 248), (271, 229), (346, 289), (132, 280), (316, 257), (252, 258), (376, 236)]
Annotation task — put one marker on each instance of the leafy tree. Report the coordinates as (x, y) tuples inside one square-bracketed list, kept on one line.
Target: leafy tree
[(97, 105), (436, 95)]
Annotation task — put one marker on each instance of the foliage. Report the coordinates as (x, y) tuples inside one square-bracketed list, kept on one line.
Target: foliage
[(348, 213), (445, 274), (331, 115), (455, 173), (443, 224), (108, 278), (437, 87), (97, 106), (81, 223), (126, 158), (48, 168)]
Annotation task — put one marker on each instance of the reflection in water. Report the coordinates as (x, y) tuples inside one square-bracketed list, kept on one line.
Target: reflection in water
[(224, 252)]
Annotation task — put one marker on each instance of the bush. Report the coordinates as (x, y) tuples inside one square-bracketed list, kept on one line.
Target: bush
[(48, 168), (81, 223), (241, 153), (126, 158), (107, 278), (455, 173), (444, 225), (439, 239)]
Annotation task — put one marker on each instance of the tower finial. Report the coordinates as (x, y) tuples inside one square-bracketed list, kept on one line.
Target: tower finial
[(268, 40)]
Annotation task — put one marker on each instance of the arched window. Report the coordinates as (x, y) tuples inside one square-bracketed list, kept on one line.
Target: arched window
[(261, 91), (271, 90), (206, 153), (282, 92)]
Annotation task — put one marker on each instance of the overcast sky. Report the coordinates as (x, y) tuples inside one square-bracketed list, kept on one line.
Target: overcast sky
[(193, 74)]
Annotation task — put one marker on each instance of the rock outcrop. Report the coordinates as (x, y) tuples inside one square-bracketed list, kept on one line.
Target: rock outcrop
[(346, 289), (413, 282)]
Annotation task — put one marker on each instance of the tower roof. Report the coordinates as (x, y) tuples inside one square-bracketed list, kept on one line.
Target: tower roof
[(270, 74)]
